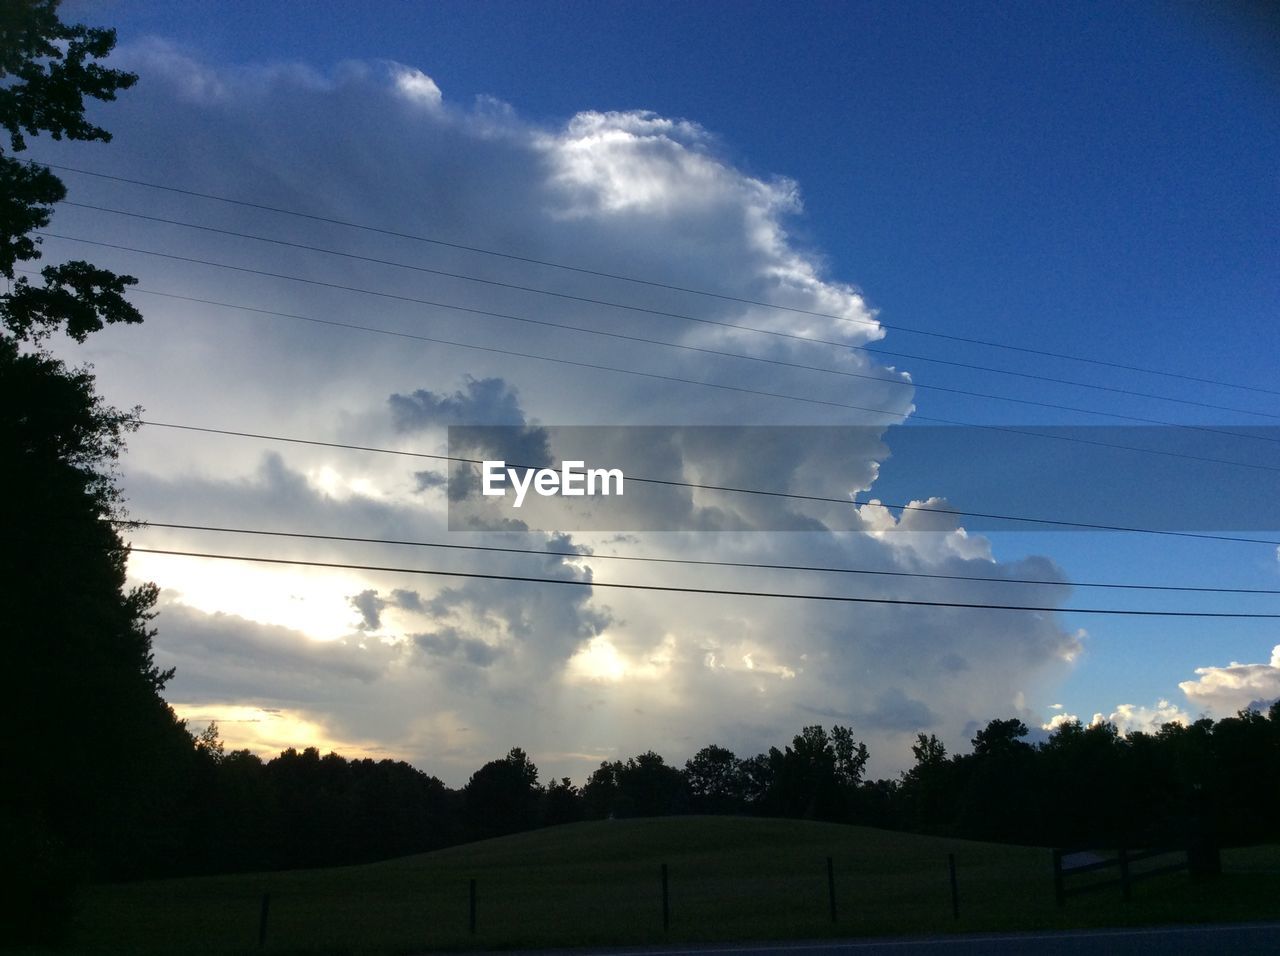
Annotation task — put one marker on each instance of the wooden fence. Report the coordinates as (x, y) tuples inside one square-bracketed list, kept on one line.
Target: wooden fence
[(1123, 861)]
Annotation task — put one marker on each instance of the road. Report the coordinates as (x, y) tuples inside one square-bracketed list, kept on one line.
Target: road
[(1243, 938)]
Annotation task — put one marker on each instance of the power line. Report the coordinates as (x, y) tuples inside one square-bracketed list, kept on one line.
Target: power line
[(651, 283), (627, 371), (839, 598), (649, 559), (878, 352), (685, 381), (653, 375), (438, 341), (726, 488), (674, 315)]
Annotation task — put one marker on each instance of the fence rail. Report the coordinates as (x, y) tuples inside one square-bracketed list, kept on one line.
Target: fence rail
[(1123, 860)]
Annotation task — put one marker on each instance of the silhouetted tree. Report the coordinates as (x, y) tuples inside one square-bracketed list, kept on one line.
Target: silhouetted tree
[(644, 786), (600, 792), (649, 787), (999, 798), (716, 781), (503, 796), (98, 762), (926, 792), (757, 778), (816, 776), (1088, 795), (562, 803)]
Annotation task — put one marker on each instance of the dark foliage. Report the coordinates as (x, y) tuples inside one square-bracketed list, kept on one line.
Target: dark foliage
[(98, 766), (503, 796), (301, 809)]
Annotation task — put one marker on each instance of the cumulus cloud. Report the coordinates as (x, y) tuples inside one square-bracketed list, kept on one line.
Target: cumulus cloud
[(447, 671), (1128, 718), (1223, 691), (1058, 720)]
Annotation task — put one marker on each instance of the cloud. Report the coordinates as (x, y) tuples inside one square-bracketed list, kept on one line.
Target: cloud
[(416, 85), (222, 656), (1057, 720), (487, 401), (446, 671), (485, 422), (1129, 718), (370, 607), (1222, 691), (448, 642)]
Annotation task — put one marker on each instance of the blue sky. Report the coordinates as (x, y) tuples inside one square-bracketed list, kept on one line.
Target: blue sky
[(1074, 173), (1098, 180)]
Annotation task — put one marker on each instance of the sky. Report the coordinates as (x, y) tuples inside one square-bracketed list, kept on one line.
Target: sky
[(1090, 190)]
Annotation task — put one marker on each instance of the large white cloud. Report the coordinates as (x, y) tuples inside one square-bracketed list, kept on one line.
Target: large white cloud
[(1222, 691), (446, 672)]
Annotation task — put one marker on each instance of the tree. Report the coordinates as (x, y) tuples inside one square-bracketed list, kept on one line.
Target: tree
[(562, 803), (1000, 738), (650, 787), (817, 776), (98, 760), (644, 786), (50, 69), (503, 796), (926, 787), (928, 750), (715, 781), (600, 793), (851, 756), (998, 797)]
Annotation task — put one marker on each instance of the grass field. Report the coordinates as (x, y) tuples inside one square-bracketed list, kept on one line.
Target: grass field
[(599, 883)]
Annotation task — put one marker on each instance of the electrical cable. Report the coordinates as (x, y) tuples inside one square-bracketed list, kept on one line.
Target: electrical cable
[(700, 562), (675, 315), (838, 598), (726, 488), (646, 282)]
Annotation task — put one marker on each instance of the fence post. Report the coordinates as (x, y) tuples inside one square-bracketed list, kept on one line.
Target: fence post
[(1125, 890), (955, 890), (831, 887), (262, 920), (472, 908), (1059, 890), (666, 903)]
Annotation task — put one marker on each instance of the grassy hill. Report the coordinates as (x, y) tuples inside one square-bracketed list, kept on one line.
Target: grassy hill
[(598, 883)]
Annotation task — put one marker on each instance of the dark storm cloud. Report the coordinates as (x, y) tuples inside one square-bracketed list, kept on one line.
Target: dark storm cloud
[(222, 656), (450, 643), (488, 401), (370, 607)]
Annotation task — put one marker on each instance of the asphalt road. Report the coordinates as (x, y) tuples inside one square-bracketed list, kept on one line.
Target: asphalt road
[(1244, 938)]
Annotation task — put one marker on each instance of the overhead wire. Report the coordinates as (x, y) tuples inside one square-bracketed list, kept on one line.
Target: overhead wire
[(646, 282), (668, 314), (782, 595), (685, 381), (656, 342), (1079, 525), (892, 413), (660, 312), (698, 562)]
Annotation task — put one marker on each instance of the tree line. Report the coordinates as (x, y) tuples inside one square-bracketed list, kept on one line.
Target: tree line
[(1083, 785)]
